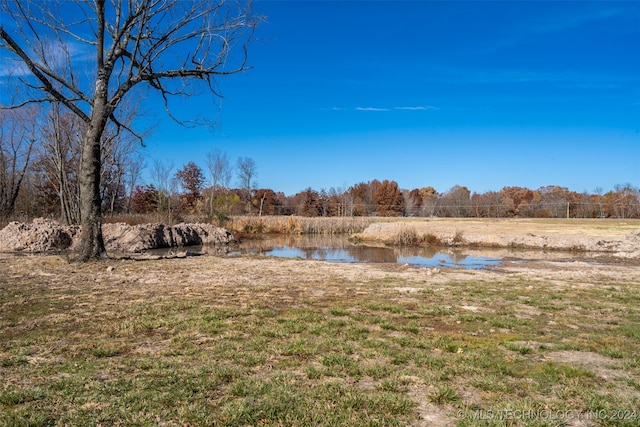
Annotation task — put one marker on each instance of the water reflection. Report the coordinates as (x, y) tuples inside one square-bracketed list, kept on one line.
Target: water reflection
[(339, 249)]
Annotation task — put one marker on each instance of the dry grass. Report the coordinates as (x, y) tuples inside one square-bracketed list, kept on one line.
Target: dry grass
[(407, 236), (297, 224), (249, 224), (257, 341)]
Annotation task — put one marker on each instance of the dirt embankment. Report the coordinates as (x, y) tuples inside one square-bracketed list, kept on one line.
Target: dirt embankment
[(44, 235), (613, 238), (618, 238)]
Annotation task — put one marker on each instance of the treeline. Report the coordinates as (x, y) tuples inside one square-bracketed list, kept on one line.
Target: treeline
[(385, 198), (39, 176)]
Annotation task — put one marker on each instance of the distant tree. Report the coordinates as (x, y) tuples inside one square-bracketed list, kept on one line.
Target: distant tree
[(58, 162), (120, 157), (308, 203), (191, 179), (228, 203), (286, 204), (555, 201), (479, 208), (588, 206), (623, 202), (457, 202), (144, 199), (247, 172), (412, 202), (599, 200), (18, 135), (161, 177), (389, 200), (362, 198), (220, 169), (518, 201), (133, 170), (337, 203), (429, 201), (266, 202)]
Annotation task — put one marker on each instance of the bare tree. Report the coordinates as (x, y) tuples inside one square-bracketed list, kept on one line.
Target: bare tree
[(118, 152), (220, 169), (457, 202), (246, 178), (17, 140), (161, 176), (171, 47), (59, 159)]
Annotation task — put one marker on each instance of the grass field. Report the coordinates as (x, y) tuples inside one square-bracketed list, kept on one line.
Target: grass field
[(256, 341)]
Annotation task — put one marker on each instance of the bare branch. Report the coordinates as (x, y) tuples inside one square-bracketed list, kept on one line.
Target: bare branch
[(47, 86), (90, 55)]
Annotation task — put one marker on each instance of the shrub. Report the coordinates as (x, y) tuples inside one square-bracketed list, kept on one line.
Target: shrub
[(407, 236), (432, 239)]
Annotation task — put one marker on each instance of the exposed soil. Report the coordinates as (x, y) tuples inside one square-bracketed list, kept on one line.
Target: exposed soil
[(48, 236), (618, 238)]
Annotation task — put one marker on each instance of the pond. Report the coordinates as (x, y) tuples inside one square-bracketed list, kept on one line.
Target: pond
[(339, 249)]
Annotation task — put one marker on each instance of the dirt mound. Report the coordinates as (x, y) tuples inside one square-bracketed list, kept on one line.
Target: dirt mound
[(121, 237), (44, 235), (631, 244)]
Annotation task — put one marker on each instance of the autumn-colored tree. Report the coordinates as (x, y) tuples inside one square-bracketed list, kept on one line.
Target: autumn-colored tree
[(362, 195), (266, 202), (623, 202), (389, 199), (429, 201), (286, 204), (191, 180), (307, 203), (492, 204), (518, 201), (336, 203), (144, 199), (555, 202)]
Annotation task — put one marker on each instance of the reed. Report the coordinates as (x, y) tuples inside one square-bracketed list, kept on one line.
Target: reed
[(407, 236), (297, 225)]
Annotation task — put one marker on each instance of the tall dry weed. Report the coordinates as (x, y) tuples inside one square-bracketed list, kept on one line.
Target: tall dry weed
[(407, 236), (298, 225)]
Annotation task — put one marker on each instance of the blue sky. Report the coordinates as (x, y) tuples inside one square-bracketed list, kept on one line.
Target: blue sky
[(429, 93)]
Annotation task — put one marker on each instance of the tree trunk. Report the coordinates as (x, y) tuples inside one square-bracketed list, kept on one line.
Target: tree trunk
[(92, 243)]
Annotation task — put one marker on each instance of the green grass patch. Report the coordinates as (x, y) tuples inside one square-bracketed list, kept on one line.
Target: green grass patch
[(326, 351)]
